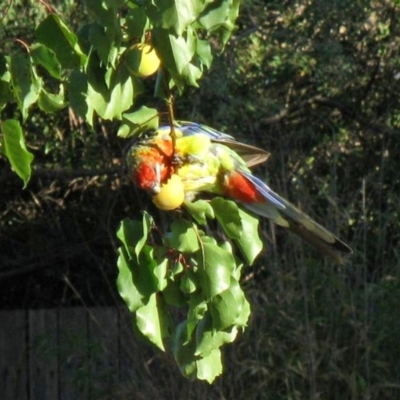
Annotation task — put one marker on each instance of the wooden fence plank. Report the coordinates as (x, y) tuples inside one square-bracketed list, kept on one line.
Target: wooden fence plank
[(13, 368), (68, 354), (103, 349), (74, 367), (43, 355), (128, 356), (130, 360)]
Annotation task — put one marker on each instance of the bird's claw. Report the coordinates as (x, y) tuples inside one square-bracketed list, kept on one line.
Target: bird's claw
[(176, 161)]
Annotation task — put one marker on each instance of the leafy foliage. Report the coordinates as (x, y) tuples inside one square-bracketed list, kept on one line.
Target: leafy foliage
[(97, 74), (89, 67), (14, 148), (190, 271), (316, 83)]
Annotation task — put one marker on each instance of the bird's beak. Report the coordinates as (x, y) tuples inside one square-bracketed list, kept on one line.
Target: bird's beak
[(155, 189), (157, 183)]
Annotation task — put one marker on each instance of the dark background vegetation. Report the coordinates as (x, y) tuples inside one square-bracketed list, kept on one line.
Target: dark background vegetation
[(317, 84)]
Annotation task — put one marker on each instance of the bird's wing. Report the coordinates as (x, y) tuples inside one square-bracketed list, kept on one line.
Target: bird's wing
[(252, 155)]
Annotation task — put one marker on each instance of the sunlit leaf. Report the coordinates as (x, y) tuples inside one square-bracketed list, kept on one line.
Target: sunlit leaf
[(183, 237), (160, 273), (198, 308), (178, 14), (54, 34), (226, 308), (153, 321), (126, 287), (133, 234), (209, 339), (13, 147), (188, 282), (139, 121), (249, 242), (50, 102), (176, 54), (111, 99), (203, 51), (26, 86), (215, 268), (200, 210), (184, 350), (214, 15), (46, 58), (209, 367), (227, 213)]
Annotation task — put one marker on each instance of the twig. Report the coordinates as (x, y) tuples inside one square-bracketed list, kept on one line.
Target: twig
[(62, 173)]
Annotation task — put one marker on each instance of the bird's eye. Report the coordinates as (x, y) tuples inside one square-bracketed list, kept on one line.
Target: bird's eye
[(146, 135)]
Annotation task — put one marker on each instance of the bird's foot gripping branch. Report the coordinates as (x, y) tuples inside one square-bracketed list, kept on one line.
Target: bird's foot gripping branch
[(183, 286)]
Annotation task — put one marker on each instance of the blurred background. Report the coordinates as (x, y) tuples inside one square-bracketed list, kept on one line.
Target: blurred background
[(317, 84)]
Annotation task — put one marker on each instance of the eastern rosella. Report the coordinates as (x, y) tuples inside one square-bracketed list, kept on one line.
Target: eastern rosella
[(205, 160)]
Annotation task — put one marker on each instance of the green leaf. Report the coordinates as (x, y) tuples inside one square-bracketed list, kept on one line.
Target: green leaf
[(215, 14), (184, 350), (133, 234), (6, 94), (25, 85), (183, 237), (136, 23), (209, 367), (143, 275), (198, 308), (105, 12), (45, 57), (102, 41), (110, 93), (209, 339), (249, 242), (139, 121), (173, 295), (200, 210), (203, 51), (192, 74), (182, 52), (51, 103), (176, 53), (77, 95), (244, 315), (13, 147), (177, 15), (127, 289), (219, 16), (188, 282), (54, 34), (215, 269), (227, 214), (227, 307), (153, 321), (160, 274)]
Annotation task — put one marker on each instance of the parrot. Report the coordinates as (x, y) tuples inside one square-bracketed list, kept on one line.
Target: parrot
[(202, 159)]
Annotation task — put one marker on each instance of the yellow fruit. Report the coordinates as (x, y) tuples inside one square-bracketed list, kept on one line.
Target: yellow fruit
[(171, 194), (141, 60)]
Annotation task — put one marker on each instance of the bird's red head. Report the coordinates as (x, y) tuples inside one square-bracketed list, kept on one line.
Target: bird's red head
[(146, 176)]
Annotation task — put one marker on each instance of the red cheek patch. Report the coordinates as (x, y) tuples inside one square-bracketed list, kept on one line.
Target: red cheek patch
[(145, 176)]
